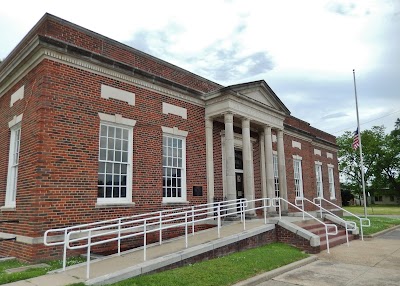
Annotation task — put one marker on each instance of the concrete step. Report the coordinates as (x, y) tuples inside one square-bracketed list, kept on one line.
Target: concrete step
[(335, 241)]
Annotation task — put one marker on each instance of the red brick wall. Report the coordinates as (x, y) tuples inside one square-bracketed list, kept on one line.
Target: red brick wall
[(57, 182)]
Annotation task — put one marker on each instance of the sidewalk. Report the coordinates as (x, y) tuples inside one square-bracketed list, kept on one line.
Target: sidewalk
[(374, 261)]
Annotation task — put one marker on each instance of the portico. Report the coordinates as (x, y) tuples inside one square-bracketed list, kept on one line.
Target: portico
[(252, 108)]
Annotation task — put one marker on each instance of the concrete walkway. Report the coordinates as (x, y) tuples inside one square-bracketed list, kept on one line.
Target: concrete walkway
[(108, 270), (374, 261)]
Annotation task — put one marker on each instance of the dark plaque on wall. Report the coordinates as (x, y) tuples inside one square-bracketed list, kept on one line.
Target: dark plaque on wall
[(197, 191)]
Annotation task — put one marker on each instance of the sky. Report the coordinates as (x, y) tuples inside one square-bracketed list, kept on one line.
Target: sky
[(305, 50)]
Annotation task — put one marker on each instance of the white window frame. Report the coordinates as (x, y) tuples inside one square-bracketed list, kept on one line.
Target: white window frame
[(175, 133), (298, 176), (13, 161), (331, 182), (276, 174), (318, 179), (128, 124)]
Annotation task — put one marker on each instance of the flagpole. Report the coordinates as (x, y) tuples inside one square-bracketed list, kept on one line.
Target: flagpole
[(359, 139)]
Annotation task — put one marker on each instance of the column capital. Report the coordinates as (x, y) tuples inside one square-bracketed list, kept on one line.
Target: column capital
[(209, 122), (267, 129), (228, 117), (245, 122)]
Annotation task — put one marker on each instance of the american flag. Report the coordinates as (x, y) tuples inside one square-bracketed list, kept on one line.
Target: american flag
[(356, 140)]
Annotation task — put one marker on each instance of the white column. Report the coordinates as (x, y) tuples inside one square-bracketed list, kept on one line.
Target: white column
[(282, 169), (269, 165), (248, 177), (262, 169), (209, 160), (230, 157)]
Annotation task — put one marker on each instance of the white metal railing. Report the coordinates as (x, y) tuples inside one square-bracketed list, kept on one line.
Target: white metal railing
[(349, 225), (361, 219), (277, 202), (97, 233)]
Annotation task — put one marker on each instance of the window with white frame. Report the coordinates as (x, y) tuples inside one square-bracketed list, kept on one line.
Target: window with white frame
[(331, 183), (276, 174), (298, 178), (318, 176), (13, 161), (174, 168), (115, 160)]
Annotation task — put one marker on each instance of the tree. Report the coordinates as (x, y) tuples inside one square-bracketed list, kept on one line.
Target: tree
[(381, 155)]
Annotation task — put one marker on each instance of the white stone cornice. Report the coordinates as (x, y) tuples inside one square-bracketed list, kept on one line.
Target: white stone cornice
[(45, 53), (244, 108), (104, 71)]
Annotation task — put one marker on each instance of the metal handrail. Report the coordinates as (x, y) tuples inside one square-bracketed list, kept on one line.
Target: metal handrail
[(277, 203), (346, 223), (81, 236), (361, 219)]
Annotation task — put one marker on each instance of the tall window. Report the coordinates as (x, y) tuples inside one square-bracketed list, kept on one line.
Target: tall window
[(276, 175), (11, 192), (318, 176), (115, 164), (174, 168), (298, 178), (331, 183)]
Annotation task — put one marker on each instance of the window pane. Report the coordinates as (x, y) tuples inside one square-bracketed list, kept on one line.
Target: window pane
[(123, 180), (108, 192), (125, 134), (103, 153), (109, 180), (116, 180), (100, 179), (123, 169), (125, 157), (123, 192), (110, 155), (109, 167), (111, 131), (103, 142), (100, 192), (103, 130), (118, 156), (102, 167), (116, 192), (118, 133), (125, 145), (118, 144)]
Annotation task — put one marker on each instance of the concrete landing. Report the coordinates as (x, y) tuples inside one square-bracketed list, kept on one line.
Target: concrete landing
[(108, 270)]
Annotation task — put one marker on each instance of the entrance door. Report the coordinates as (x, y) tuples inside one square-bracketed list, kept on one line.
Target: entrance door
[(239, 174), (239, 186)]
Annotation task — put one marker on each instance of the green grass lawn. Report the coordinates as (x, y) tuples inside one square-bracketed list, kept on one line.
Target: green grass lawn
[(375, 209), (377, 223), (34, 272), (221, 271)]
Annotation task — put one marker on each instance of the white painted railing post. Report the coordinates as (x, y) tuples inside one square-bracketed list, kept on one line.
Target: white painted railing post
[(327, 239), (160, 231), (119, 237), (145, 240), (265, 210), (65, 249), (186, 229), (219, 219), (192, 220), (243, 214), (88, 254)]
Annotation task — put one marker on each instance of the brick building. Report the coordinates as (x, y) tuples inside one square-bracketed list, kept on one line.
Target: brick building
[(91, 129)]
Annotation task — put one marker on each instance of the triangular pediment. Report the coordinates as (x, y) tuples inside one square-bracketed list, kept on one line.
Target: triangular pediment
[(260, 92)]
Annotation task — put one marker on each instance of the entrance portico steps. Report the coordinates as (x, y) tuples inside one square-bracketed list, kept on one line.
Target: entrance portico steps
[(319, 230)]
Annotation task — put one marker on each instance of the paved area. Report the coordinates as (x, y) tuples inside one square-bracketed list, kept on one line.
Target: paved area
[(370, 262), (374, 261)]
